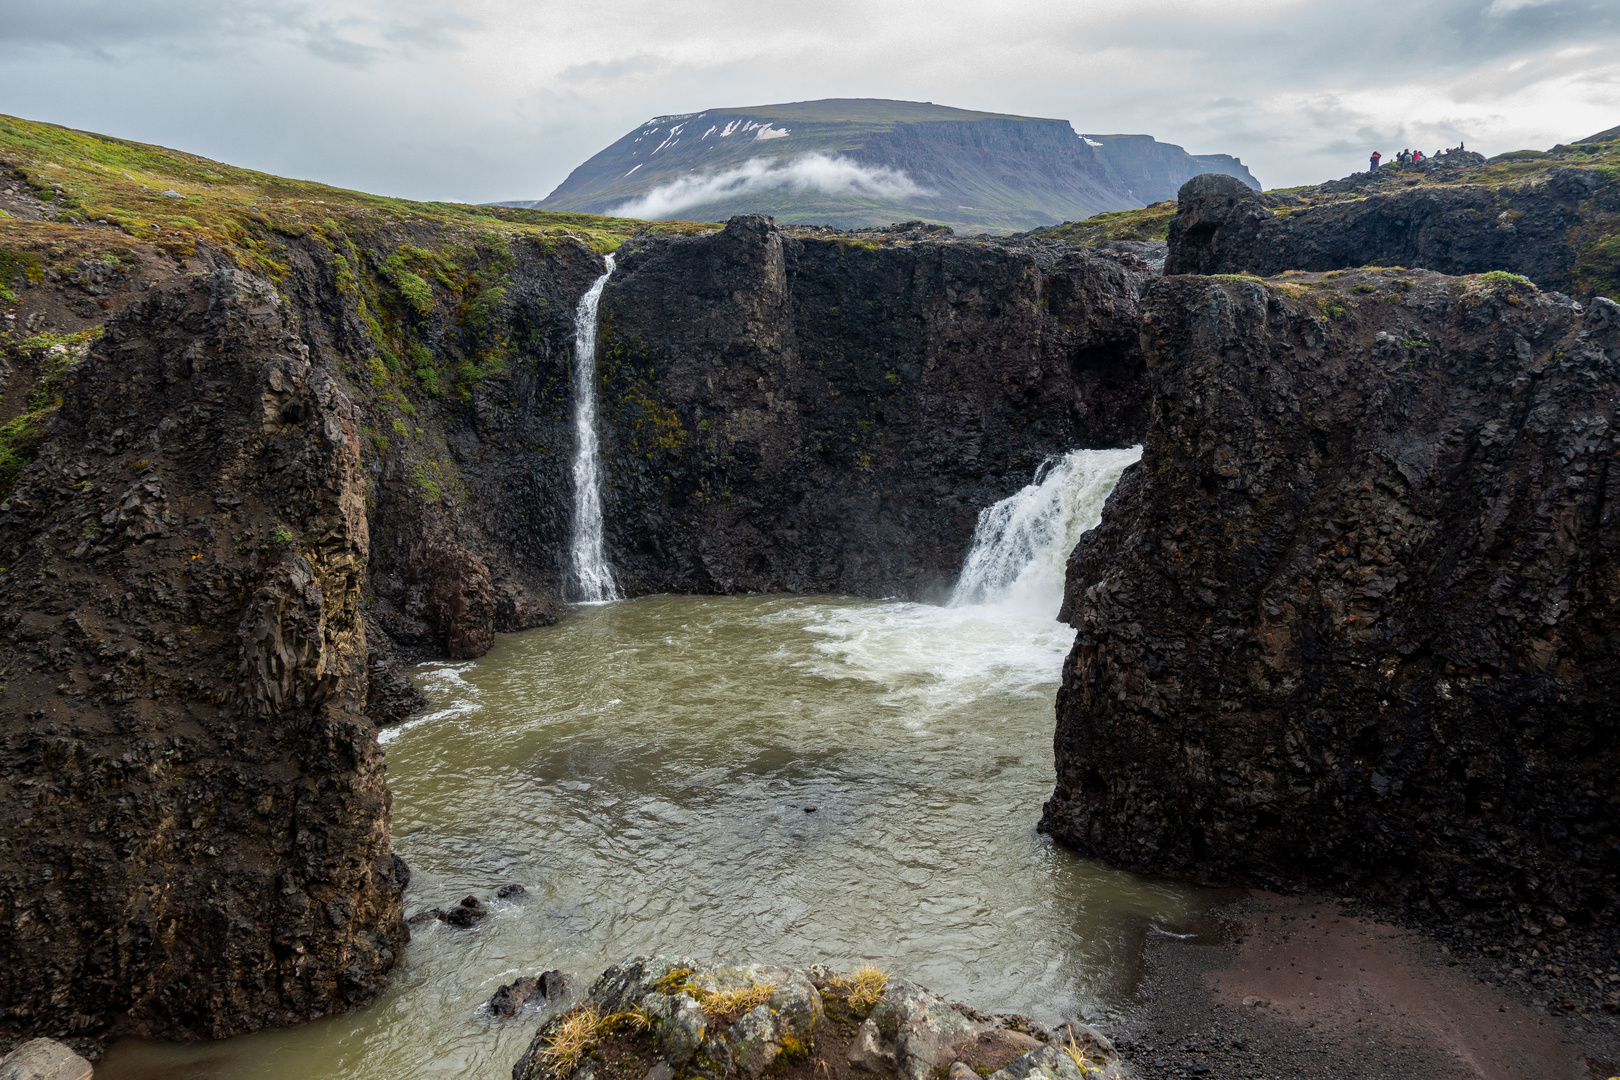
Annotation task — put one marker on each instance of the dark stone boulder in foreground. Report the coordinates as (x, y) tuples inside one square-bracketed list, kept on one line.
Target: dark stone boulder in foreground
[(667, 1016), (1351, 622)]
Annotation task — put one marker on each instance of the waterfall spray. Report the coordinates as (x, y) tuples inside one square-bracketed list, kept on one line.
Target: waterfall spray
[(1021, 545), (592, 576)]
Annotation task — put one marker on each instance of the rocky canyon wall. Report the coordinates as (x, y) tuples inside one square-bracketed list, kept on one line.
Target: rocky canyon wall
[(1350, 623), (258, 495), (811, 414), (195, 821)]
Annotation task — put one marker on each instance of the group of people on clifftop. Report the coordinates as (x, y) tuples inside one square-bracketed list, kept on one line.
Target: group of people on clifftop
[(1411, 157)]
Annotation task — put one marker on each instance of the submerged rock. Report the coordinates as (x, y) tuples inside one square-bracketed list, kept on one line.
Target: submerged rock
[(547, 986), (471, 910), (669, 1013), (464, 915)]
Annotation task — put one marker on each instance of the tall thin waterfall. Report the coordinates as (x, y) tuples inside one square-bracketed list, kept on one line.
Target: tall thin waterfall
[(1021, 545), (593, 577)]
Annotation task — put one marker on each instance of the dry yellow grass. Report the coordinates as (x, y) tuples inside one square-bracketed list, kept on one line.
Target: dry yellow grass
[(582, 1029), (863, 988), (1078, 1055), (577, 1033), (730, 1004)]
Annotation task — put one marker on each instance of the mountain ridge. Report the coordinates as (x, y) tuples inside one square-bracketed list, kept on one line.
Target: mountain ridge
[(856, 162)]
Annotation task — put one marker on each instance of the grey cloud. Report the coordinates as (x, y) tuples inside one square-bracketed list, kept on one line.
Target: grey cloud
[(607, 70), (384, 94)]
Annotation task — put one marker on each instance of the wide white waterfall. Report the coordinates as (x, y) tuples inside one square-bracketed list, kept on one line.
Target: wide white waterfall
[(999, 635), (1022, 543), (592, 576)]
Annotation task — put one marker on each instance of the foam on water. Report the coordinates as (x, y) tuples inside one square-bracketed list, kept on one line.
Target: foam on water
[(999, 635)]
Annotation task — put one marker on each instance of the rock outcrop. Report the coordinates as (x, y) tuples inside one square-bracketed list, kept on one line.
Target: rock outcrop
[(670, 1016), (797, 414), (1553, 226), (1350, 623), (195, 836)]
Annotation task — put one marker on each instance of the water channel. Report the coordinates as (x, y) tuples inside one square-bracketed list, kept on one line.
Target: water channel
[(801, 779)]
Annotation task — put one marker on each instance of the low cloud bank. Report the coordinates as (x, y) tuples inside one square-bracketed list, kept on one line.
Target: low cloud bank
[(811, 172)]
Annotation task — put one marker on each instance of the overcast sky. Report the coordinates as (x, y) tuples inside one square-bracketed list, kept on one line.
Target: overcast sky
[(478, 100)]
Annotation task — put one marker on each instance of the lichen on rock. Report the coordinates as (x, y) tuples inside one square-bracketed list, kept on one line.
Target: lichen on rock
[(672, 1017)]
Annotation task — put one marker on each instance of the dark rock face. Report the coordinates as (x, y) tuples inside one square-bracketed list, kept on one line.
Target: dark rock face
[(195, 838), (1224, 227), (797, 414), (1351, 621)]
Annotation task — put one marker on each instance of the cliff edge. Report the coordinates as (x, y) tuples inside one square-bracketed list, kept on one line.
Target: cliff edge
[(1350, 622)]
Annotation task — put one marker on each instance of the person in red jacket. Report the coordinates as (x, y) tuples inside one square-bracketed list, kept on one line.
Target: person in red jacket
[(1374, 160)]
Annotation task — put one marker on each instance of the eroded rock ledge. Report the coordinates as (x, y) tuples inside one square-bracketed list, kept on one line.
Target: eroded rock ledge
[(1351, 621), (668, 1017)]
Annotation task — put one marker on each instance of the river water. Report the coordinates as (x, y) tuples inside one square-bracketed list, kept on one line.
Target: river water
[(754, 777)]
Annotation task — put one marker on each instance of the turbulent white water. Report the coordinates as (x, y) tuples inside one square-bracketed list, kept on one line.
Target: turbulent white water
[(592, 576), (1022, 543), (999, 637)]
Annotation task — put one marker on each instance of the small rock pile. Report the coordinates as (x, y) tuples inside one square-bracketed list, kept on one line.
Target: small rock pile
[(668, 1017)]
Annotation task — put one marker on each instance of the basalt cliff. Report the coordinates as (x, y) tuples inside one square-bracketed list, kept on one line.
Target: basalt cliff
[(1348, 622)]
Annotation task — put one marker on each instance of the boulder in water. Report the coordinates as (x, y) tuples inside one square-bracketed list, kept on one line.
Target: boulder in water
[(464, 915), (546, 986), (468, 913)]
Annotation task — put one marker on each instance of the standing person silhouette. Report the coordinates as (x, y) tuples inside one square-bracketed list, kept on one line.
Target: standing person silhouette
[(1373, 161)]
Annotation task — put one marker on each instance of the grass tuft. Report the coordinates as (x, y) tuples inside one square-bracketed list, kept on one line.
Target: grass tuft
[(1077, 1054), (575, 1036), (730, 1004), (861, 989)]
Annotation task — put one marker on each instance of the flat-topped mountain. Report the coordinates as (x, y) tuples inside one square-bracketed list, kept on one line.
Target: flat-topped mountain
[(854, 162)]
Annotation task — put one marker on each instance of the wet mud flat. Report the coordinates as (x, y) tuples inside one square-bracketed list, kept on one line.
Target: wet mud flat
[(1293, 987)]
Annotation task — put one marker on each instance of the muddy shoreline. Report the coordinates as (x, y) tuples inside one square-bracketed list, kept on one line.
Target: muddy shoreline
[(1310, 987)]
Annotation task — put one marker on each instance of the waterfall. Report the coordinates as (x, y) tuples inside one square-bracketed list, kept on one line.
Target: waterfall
[(1021, 545), (593, 577)]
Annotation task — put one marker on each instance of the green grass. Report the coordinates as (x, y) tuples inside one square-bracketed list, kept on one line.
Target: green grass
[(243, 210), (1147, 223)]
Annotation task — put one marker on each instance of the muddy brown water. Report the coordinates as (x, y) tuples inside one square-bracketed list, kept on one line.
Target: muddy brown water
[(790, 779)]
